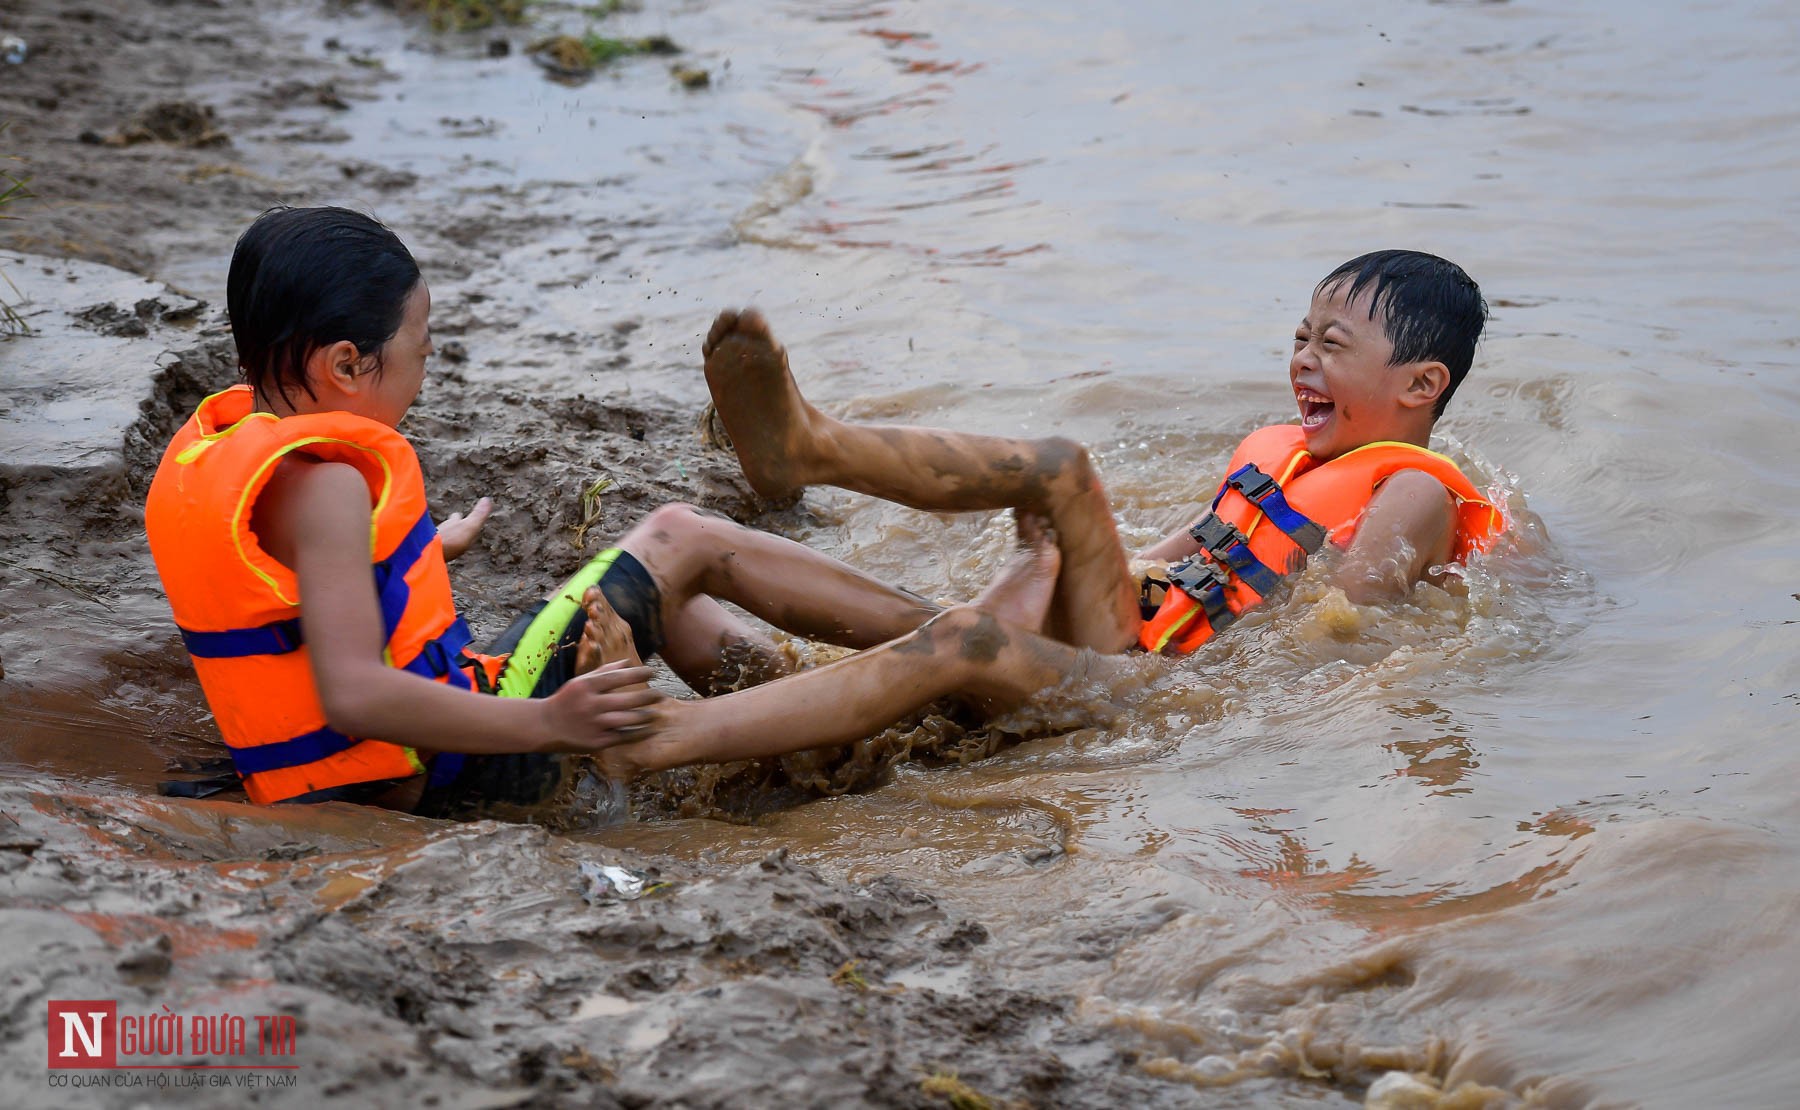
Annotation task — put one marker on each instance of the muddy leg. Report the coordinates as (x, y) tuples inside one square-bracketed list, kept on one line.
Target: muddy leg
[(784, 443), (972, 650), (714, 652), (793, 587)]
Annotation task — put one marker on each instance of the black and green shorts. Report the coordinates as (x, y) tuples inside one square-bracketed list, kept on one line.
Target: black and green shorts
[(539, 652)]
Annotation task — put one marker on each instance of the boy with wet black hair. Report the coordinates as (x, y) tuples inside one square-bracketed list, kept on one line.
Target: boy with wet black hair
[(1386, 340), (1430, 308)]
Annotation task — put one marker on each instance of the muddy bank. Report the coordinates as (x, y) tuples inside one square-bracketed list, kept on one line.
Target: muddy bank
[(432, 964)]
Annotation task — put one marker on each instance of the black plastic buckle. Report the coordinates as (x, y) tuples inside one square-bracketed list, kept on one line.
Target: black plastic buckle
[(1197, 577), (288, 635), (437, 658), (1255, 485), (1217, 535)]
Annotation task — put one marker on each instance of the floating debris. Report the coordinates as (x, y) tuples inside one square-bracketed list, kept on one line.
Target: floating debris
[(183, 122), (607, 882), (691, 77)]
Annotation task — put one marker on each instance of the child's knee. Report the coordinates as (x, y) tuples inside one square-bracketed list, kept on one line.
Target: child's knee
[(1066, 465), (674, 524)]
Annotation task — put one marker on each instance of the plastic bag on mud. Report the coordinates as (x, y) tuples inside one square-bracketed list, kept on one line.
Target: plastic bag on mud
[(608, 882)]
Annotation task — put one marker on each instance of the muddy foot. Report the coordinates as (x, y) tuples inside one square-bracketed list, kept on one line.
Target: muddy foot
[(617, 765), (607, 637), (1020, 594), (754, 393)]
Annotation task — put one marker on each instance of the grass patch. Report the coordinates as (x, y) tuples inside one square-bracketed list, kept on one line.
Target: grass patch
[(12, 190), (591, 511), (946, 1086), (573, 56), (849, 976), (603, 48)]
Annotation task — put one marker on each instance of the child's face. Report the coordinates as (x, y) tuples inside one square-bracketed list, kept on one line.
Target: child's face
[(403, 361), (1348, 394)]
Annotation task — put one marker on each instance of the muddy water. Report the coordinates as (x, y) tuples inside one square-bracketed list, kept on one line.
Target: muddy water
[(1534, 833)]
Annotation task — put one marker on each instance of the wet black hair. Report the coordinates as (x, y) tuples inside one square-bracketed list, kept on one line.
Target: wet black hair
[(305, 278), (1432, 310)]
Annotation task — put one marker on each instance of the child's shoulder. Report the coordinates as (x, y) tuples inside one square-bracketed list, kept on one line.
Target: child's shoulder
[(307, 496)]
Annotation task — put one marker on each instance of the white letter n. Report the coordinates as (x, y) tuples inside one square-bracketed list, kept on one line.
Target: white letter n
[(72, 1028)]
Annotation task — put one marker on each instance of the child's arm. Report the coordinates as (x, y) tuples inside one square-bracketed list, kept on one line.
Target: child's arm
[(1172, 548), (315, 518), (1408, 528)]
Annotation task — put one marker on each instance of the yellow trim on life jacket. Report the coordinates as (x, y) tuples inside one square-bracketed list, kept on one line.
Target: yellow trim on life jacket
[(239, 527)]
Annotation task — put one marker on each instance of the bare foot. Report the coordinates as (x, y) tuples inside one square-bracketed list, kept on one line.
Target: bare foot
[(607, 637), (617, 765), (755, 396), (1020, 594)]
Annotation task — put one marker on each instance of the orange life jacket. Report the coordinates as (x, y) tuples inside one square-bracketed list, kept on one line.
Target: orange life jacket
[(238, 609), (1278, 505)]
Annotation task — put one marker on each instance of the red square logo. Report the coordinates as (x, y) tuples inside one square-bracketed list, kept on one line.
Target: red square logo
[(84, 1034)]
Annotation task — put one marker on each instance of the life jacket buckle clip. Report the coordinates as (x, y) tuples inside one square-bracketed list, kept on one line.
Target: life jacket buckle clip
[(1217, 535), (1252, 483), (1199, 577)]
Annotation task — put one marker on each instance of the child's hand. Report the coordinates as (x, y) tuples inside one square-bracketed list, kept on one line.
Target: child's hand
[(459, 531), (609, 705)]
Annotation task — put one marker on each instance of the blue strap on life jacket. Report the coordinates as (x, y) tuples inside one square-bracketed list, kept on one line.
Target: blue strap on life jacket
[(308, 747), (438, 657), (284, 636), (1231, 548), (274, 638), (1265, 493), (445, 766), (1225, 549), (390, 573), (1205, 581)]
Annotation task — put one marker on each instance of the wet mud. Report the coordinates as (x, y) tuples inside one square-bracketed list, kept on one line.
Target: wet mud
[(759, 984)]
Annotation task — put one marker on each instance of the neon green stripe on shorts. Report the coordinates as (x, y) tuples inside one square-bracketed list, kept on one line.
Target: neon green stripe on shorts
[(543, 636)]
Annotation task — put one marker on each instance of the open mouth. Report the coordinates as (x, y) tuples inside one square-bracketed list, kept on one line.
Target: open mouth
[(1315, 408)]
